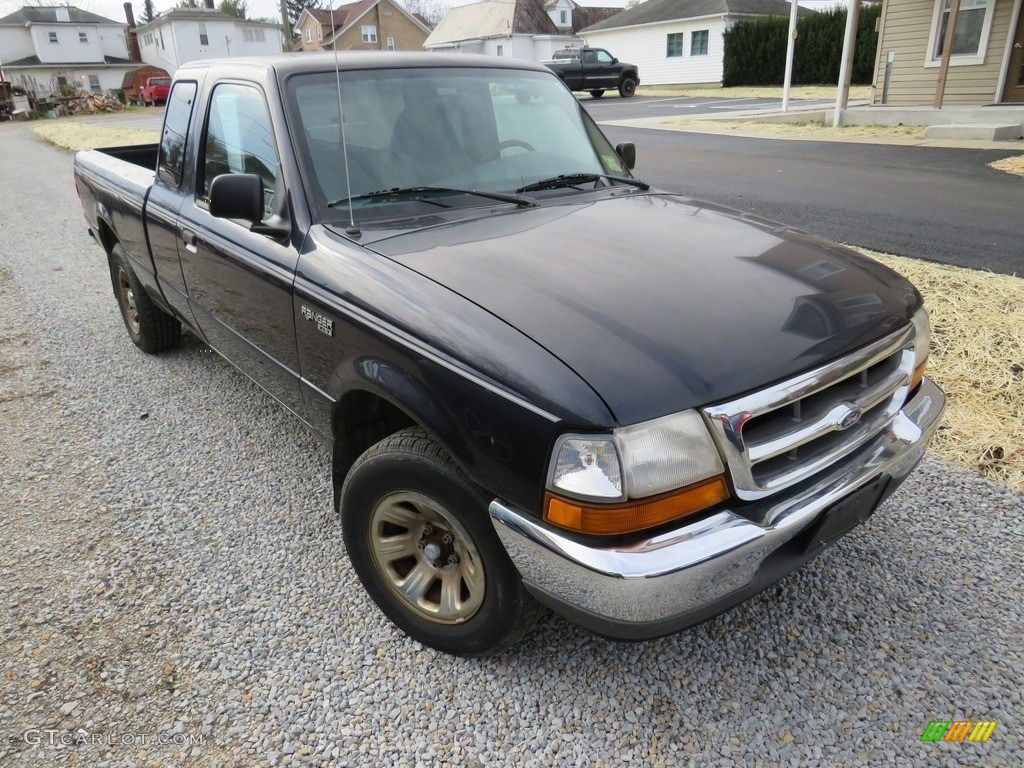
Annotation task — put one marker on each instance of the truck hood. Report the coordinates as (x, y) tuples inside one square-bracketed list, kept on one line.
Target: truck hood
[(662, 303)]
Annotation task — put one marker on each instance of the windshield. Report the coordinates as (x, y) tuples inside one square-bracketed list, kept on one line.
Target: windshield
[(491, 130)]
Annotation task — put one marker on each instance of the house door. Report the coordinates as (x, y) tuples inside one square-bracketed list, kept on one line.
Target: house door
[(1014, 90)]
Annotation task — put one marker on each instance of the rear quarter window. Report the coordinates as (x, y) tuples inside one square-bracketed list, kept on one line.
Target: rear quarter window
[(170, 165)]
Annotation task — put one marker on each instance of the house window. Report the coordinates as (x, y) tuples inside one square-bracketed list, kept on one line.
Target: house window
[(94, 83), (369, 33), (162, 46), (52, 36), (204, 39), (391, 43), (563, 18), (970, 38), (699, 43), (254, 35), (319, 33), (83, 37), (501, 50), (309, 35), (674, 45)]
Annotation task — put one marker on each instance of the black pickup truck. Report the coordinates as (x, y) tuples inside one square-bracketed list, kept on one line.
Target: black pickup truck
[(543, 382), (594, 70)]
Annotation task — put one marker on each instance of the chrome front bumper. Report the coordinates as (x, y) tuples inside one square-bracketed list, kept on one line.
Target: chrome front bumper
[(675, 579)]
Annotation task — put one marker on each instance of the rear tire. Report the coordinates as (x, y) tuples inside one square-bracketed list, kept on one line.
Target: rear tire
[(420, 539), (150, 328), (627, 87), (597, 94)]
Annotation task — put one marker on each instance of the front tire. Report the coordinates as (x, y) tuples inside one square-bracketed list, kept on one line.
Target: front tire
[(420, 539), (627, 87), (150, 328)]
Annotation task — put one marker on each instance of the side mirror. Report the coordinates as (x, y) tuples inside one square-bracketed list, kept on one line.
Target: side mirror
[(237, 196), (240, 196), (614, 60), (627, 152)]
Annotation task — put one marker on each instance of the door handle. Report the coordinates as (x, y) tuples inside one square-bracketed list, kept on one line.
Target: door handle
[(190, 240)]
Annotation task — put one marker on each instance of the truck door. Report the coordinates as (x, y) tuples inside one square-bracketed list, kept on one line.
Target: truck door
[(166, 194), (605, 70), (240, 284)]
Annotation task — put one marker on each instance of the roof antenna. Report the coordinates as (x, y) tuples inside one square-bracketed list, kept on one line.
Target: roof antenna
[(352, 230)]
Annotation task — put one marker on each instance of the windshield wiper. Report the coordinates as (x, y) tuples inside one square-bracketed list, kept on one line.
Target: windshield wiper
[(574, 179), (522, 202)]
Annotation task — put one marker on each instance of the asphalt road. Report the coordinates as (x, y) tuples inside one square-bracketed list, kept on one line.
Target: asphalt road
[(945, 205)]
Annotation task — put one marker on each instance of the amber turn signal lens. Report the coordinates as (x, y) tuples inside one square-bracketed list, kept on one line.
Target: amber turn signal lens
[(607, 519), (915, 379)]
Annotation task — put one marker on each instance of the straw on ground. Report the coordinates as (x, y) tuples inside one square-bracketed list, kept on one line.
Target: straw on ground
[(977, 357), (1014, 165), (811, 129)]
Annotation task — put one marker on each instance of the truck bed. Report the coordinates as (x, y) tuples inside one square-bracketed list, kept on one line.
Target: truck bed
[(117, 180)]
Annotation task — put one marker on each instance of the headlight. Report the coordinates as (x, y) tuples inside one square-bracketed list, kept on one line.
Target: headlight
[(922, 343), (586, 467), (667, 453), (657, 471)]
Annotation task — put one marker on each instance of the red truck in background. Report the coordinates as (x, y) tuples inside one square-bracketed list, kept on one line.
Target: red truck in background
[(155, 91)]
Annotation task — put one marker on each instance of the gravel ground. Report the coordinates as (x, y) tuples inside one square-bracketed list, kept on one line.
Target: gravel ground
[(173, 584)]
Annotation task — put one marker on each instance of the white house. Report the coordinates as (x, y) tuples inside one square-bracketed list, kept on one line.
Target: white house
[(186, 34), (46, 49), (523, 29), (677, 41)]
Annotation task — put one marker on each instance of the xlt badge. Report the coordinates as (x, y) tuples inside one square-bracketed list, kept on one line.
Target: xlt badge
[(323, 324)]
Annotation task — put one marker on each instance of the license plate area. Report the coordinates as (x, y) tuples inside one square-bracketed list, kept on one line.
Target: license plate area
[(846, 514)]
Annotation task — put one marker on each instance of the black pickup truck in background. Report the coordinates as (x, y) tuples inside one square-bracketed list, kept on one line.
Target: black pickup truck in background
[(542, 382), (594, 70)]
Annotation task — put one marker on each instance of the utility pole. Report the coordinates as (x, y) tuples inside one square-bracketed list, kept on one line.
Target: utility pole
[(287, 26)]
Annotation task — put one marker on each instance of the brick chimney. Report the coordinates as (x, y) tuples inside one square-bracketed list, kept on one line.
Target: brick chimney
[(134, 52)]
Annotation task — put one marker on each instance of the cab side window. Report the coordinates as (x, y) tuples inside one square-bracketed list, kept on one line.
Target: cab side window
[(239, 140), (171, 164)]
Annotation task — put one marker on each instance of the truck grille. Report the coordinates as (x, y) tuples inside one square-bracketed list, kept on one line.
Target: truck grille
[(779, 436)]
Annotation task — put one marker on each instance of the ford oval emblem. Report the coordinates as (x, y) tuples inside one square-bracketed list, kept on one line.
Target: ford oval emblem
[(848, 419)]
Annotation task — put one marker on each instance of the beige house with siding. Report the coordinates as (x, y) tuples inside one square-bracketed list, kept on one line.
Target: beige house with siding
[(986, 64), (368, 25)]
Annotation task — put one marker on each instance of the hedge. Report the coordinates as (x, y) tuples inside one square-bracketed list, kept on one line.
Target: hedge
[(755, 50)]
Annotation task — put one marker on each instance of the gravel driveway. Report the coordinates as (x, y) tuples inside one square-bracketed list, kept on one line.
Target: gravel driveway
[(173, 585)]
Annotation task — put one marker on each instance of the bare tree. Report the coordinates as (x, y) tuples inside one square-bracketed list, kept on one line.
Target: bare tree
[(429, 11)]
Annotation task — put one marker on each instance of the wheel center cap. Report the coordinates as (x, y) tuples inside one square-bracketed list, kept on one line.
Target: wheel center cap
[(432, 551)]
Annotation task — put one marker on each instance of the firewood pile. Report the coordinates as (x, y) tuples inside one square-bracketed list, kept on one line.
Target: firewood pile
[(84, 103)]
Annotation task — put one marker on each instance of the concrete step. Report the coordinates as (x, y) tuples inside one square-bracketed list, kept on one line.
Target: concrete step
[(975, 132)]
